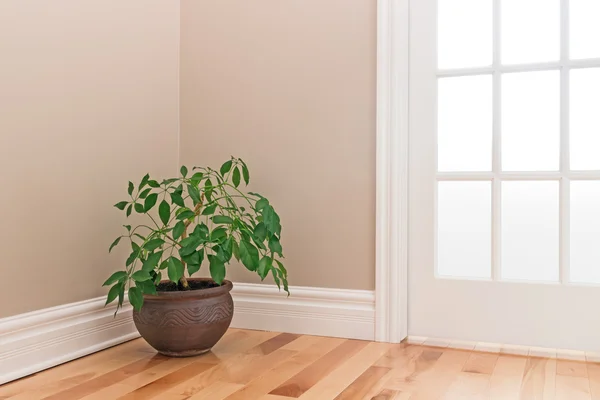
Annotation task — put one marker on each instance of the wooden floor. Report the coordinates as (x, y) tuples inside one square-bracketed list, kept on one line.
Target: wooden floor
[(280, 366)]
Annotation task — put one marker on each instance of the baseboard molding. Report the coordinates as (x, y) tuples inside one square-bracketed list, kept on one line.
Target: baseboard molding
[(311, 311), (38, 340), (45, 338), (532, 351)]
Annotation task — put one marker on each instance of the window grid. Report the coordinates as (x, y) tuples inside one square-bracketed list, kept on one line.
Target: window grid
[(497, 176)]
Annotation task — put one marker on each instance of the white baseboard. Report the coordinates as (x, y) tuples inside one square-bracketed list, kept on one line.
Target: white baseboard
[(502, 348), (45, 338), (311, 311), (42, 339)]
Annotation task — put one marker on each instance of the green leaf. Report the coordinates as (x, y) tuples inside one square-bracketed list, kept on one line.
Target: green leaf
[(144, 181), (217, 234), (175, 269), (153, 184), (245, 173), (178, 229), (146, 287), (208, 188), (249, 255), (116, 242), (217, 269), (261, 203), (260, 231), (116, 277), (140, 236), (194, 194), (153, 244), (282, 268), (150, 202), (136, 298), (275, 245), (121, 297), (177, 199), (158, 278), (236, 177), (226, 167), (274, 271), (132, 256), (271, 220), (235, 249), (145, 193), (190, 247), (193, 258), (222, 219), (183, 171), (201, 230), (209, 209), (152, 261), (164, 264), (139, 208), (129, 209), (264, 266), (185, 215), (169, 181), (196, 178), (113, 293), (130, 188), (141, 276), (255, 194), (164, 212), (121, 205)]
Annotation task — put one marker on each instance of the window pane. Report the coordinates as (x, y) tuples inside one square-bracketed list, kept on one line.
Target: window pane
[(530, 31), (464, 229), (465, 123), (585, 232), (585, 29), (464, 33), (530, 231), (585, 119), (530, 121)]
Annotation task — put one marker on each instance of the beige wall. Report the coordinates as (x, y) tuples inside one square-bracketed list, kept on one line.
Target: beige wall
[(290, 87), (88, 100)]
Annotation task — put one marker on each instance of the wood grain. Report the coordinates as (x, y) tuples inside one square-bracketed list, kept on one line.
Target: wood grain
[(272, 366)]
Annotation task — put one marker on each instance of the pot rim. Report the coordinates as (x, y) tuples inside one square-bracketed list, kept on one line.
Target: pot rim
[(225, 287)]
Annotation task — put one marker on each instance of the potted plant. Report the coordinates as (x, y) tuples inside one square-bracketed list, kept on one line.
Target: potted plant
[(195, 219)]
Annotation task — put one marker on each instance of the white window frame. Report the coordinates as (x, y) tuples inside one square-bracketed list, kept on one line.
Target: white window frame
[(393, 44), (563, 176)]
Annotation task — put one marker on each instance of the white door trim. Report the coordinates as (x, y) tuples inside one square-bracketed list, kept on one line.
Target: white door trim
[(391, 286)]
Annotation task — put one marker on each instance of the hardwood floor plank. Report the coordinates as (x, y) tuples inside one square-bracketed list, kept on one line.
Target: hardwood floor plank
[(507, 377), (571, 368), (161, 385), (75, 372), (539, 379), (333, 383), (136, 381), (216, 391), (481, 363), (249, 365), (275, 343), (572, 388), (434, 383), (469, 385), (309, 376), (308, 348), (363, 383)]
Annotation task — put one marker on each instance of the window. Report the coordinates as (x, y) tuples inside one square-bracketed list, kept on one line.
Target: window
[(518, 140)]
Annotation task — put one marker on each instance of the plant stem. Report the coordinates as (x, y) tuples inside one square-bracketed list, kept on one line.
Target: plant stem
[(187, 223)]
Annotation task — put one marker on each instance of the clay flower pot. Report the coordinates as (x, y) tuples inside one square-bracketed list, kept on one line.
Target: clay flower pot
[(185, 323)]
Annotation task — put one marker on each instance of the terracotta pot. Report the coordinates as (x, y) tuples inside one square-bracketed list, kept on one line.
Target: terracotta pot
[(183, 324)]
